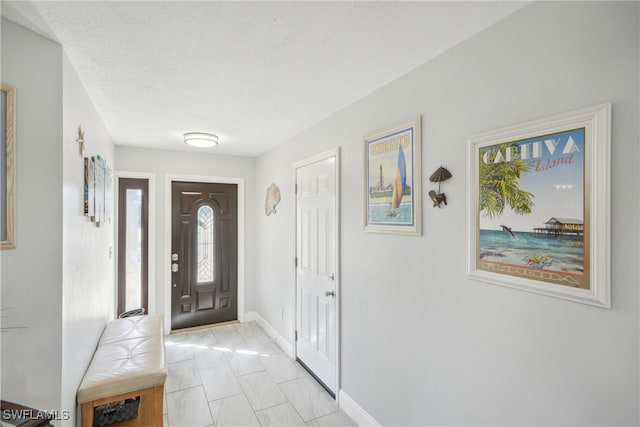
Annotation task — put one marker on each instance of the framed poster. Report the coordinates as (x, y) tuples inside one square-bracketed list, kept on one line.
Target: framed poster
[(7, 166), (538, 206), (392, 180)]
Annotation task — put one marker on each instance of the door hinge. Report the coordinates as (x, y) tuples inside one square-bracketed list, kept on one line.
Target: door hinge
[(295, 191), (295, 262), (296, 335)]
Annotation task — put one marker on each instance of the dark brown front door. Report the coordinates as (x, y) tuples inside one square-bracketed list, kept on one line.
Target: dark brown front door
[(204, 254)]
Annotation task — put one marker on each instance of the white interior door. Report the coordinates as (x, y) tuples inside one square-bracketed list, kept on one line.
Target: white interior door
[(316, 272)]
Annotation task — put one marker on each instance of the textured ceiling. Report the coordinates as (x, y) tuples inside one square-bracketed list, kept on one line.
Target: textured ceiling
[(255, 73)]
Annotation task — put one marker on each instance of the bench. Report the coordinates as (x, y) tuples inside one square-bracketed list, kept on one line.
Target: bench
[(128, 362)]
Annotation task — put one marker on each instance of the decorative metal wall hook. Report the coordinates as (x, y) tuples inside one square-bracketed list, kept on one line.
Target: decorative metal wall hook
[(441, 174)]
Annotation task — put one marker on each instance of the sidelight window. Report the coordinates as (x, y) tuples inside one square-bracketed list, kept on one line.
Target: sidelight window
[(133, 217)]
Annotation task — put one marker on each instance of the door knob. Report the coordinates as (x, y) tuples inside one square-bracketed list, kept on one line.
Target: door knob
[(330, 293), (175, 286)]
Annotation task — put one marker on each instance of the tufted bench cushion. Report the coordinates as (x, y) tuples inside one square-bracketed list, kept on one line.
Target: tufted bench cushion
[(132, 327), (130, 357)]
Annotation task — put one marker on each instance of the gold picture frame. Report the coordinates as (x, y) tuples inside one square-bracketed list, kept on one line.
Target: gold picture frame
[(8, 166)]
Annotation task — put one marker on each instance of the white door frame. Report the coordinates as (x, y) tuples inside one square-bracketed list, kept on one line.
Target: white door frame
[(151, 250), (166, 263), (338, 279)]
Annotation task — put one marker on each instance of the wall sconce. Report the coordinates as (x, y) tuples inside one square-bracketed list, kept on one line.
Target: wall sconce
[(80, 140), (201, 139), (441, 174)]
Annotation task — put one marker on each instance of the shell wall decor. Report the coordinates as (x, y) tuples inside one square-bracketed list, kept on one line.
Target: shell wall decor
[(272, 199)]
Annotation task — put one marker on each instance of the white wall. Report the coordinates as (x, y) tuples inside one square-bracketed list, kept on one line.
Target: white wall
[(88, 293), (32, 273), (422, 344), (164, 162)]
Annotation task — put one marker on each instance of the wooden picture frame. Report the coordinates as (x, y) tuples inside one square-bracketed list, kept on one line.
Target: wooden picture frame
[(393, 202), (8, 166), (538, 206)]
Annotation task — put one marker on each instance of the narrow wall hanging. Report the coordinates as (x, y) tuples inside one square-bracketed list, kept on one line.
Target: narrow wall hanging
[(98, 197), (7, 166)]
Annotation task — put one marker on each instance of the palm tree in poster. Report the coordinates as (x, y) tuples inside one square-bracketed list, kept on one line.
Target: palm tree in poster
[(500, 184)]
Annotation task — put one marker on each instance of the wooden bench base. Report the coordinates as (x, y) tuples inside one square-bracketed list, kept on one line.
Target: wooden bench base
[(149, 412)]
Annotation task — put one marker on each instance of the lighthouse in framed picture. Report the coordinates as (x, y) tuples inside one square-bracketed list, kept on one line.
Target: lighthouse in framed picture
[(539, 208), (392, 179)]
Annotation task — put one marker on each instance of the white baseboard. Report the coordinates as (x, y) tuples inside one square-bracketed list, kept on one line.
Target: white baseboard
[(355, 411), (279, 339), (346, 403), (249, 316)]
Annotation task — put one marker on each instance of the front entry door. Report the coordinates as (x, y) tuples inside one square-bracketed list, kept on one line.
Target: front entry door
[(316, 281), (204, 254)]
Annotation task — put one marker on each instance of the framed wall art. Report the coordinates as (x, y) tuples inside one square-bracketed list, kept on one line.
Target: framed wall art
[(99, 169), (98, 197), (538, 206), (7, 166), (89, 187), (392, 179)]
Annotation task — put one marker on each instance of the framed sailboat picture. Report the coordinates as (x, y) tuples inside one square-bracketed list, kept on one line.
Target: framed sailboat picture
[(538, 206), (392, 179)]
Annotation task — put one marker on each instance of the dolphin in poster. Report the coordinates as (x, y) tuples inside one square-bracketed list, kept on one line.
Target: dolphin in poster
[(508, 230)]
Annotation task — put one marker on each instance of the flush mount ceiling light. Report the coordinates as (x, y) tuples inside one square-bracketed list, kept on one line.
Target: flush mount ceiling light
[(201, 139)]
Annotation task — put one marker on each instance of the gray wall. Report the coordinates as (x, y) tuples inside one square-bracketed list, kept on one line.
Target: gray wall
[(422, 344), (59, 280), (32, 273)]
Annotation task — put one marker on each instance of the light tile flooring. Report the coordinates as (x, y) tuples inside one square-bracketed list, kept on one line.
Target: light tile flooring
[(235, 375)]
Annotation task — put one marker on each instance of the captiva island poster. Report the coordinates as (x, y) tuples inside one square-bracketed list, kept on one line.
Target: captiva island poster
[(531, 208), (393, 180)]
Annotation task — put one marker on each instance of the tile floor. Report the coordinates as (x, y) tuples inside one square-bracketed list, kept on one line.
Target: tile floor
[(235, 375)]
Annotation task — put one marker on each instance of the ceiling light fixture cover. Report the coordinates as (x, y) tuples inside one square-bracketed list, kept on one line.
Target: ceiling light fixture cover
[(201, 139)]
